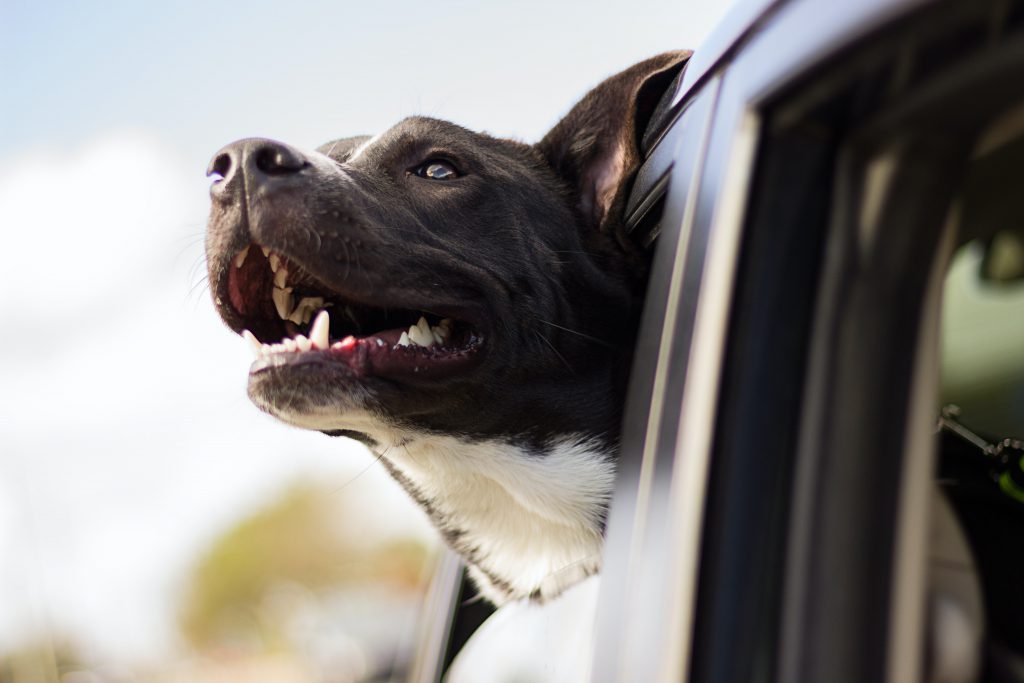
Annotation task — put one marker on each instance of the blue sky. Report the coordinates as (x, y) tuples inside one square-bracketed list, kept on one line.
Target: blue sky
[(127, 442), (204, 73)]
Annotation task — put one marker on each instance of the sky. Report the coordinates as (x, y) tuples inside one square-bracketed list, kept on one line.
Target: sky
[(126, 440)]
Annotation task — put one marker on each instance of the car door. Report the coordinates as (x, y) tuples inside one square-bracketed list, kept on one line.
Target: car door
[(773, 512)]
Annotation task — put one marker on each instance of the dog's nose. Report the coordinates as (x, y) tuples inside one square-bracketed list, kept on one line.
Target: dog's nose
[(261, 161)]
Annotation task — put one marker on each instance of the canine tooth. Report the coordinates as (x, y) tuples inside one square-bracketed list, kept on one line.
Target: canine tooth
[(251, 338), (275, 262), (403, 340), (240, 259), (266, 251), (303, 343), (319, 334), (419, 337), (284, 302), (424, 326), (281, 278)]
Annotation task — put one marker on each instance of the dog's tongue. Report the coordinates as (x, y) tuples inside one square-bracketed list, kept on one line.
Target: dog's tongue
[(387, 354), (379, 355)]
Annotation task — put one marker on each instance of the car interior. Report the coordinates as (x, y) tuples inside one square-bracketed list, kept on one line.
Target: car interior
[(882, 261), (977, 542)]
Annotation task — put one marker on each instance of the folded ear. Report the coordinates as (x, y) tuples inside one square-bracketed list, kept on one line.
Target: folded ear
[(596, 147)]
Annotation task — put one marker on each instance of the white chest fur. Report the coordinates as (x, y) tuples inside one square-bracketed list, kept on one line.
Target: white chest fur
[(529, 523)]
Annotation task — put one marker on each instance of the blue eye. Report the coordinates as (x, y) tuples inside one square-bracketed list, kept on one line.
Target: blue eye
[(436, 169)]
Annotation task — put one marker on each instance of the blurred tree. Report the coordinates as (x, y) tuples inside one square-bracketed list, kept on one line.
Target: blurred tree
[(309, 538), (39, 662)]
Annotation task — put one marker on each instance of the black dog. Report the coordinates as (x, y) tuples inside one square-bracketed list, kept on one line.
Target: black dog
[(464, 305)]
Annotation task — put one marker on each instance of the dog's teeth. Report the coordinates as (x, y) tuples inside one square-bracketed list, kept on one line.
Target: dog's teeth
[(281, 278), (303, 343), (284, 302), (426, 336), (319, 334), (290, 344), (240, 259), (275, 262), (266, 251), (403, 340), (251, 338), (303, 312), (438, 334), (419, 337)]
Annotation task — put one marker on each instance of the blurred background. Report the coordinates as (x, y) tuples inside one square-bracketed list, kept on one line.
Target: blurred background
[(154, 526)]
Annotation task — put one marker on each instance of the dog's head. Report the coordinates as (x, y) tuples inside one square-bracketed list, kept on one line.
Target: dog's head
[(437, 279)]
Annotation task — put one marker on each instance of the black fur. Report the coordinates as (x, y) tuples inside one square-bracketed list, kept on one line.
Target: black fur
[(516, 245), (526, 245)]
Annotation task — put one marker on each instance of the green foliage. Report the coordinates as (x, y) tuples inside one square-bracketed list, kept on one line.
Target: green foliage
[(304, 538), (40, 662)]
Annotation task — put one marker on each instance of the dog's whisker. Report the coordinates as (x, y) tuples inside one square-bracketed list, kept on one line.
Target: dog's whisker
[(199, 262), (198, 288), (554, 350), (577, 333), (593, 558), (378, 457), (183, 249)]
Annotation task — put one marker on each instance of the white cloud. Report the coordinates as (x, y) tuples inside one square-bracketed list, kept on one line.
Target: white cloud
[(82, 219), (127, 442)]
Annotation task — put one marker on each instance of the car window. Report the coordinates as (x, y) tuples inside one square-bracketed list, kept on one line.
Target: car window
[(981, 457)]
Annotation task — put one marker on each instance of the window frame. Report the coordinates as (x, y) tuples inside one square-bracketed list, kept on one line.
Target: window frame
[(856, 375)]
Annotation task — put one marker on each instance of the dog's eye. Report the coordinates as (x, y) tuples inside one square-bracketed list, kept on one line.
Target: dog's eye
[(437, 169)]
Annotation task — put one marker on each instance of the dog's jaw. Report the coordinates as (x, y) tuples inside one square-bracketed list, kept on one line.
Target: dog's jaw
[(528, 522)]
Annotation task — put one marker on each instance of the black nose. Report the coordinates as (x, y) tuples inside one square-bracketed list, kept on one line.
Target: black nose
[(261, 161)]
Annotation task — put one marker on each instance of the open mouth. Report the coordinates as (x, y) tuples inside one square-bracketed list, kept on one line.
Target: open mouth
[(290, 317)]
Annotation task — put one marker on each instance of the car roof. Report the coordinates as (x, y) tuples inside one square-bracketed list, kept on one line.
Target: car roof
[(826, 25)]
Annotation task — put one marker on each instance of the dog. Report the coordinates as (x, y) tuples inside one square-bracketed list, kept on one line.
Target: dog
[(464, 305)]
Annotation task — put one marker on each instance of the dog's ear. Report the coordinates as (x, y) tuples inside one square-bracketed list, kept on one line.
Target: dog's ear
[(595, 148)]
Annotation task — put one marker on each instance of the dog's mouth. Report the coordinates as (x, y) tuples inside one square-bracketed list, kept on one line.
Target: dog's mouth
[(290, 317)]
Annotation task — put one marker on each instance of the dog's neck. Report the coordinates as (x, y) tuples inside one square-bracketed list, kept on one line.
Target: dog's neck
[(529, 523)]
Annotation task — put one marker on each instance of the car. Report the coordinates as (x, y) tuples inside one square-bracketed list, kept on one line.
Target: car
[(818, 479)]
